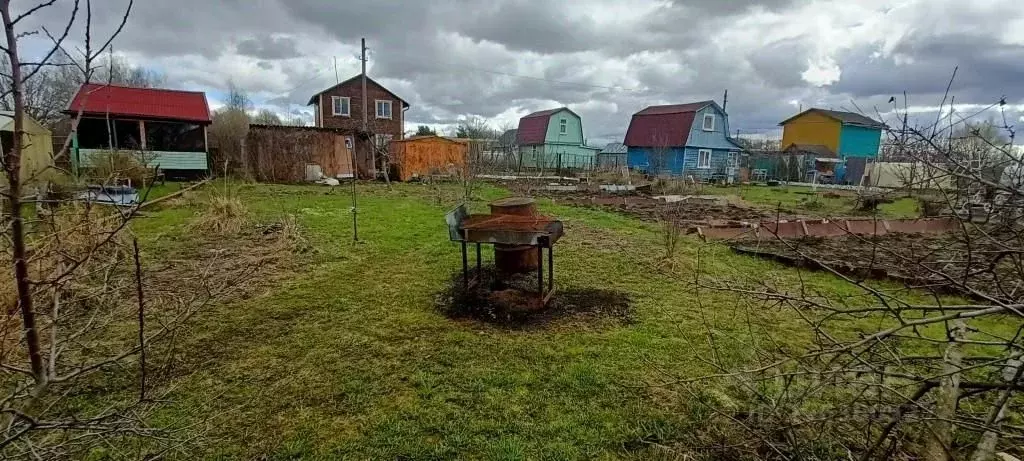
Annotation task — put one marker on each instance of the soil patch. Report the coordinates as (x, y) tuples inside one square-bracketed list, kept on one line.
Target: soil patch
[(513, 302), (654, 210), (946, 263)]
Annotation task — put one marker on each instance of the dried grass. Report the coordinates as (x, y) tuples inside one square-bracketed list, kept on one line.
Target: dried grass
[(224, 214)]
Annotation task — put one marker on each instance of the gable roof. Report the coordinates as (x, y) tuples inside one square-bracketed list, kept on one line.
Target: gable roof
[(533, 128), (614, 148), (508, 138), (154, 103), (663, 126), (846, 118), (369, 81)]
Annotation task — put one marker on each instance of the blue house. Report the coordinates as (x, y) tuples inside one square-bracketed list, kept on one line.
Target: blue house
[(683, 139)]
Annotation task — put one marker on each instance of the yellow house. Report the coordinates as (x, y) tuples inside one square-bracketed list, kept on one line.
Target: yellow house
[(845, 134), (37, 148)]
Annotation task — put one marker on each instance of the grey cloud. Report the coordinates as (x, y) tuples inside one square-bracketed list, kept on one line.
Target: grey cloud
[(448, 57), (267, 47)]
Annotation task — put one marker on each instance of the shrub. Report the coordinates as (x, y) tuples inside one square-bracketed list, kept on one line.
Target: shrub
[(111, 167)]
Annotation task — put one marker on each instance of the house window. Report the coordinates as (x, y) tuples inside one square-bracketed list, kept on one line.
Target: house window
[(709, 122), (732, 160), (383, 109), (562, 126), (704, 158), (341, 106)]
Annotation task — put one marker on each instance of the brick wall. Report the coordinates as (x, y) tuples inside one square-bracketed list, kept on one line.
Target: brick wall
[(354, 122)]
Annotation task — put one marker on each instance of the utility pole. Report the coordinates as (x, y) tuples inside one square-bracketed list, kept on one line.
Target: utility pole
[(355, 169), (363, 59), (337, 78)]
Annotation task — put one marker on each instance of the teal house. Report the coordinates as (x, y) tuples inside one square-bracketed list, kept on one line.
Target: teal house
[(553, 139)]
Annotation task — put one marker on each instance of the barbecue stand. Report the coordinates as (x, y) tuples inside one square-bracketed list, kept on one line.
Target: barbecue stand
[(519, 236)]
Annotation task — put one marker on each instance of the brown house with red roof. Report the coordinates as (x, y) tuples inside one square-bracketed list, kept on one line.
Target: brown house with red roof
[(168, 127), (340, 107)]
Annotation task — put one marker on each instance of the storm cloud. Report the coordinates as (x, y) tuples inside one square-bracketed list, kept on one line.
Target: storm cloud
[(606, 59)]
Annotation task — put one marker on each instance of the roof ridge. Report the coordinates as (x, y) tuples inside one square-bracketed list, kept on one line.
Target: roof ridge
[(110, 85)]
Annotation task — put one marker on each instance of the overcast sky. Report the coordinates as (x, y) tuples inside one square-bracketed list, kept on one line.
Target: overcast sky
[(605, 59)]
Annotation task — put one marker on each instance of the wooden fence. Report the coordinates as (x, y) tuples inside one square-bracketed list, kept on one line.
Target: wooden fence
[(294, 153)]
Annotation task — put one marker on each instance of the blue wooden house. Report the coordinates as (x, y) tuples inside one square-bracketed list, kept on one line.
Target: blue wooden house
[(683, 139)]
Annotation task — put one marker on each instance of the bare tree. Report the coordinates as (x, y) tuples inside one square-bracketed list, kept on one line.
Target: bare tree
[(78, 295), (50, 90), (877, 371)]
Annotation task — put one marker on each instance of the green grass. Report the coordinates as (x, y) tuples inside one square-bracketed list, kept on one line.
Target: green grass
[(350, 359), (802, 200)]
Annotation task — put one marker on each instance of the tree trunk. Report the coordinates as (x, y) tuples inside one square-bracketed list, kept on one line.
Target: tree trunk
[(937, 448), (13, 167)]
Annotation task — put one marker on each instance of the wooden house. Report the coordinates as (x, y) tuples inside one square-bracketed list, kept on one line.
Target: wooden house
[(340, 107), (683, 139), (167, 127), (553, 139), (420, 156), (845, 134)]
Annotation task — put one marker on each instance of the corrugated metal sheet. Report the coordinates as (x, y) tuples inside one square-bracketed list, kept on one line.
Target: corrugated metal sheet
[(154, 103), (614, 148), (847, 118), (424, 155), (166, 160), (663, 126), (675, 108), (659, 130)]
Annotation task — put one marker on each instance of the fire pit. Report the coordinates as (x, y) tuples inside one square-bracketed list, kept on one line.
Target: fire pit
[(519, 235)]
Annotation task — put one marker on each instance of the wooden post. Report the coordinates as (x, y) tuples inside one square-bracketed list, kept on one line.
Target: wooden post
[(465, 266), (142, 134)]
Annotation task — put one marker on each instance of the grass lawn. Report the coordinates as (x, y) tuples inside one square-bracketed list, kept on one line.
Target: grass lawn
[(802, 200), (351, 359)]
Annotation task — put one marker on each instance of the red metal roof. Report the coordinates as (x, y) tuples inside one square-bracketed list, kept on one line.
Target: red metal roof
[(663, 126), (674, 108), (533, 128), (151, 103)]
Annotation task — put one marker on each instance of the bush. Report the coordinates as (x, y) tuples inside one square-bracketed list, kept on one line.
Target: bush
[(111, 167)]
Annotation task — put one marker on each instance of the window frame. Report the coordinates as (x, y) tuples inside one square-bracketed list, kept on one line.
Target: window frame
[(391, 108), (563, 126), (704, 124), (700, 153), (347, 105)]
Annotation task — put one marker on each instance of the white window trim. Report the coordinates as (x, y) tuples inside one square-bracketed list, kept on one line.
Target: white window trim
[(348, 104), (391, 108), (705, 125), (563, 126), (699, 155)]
